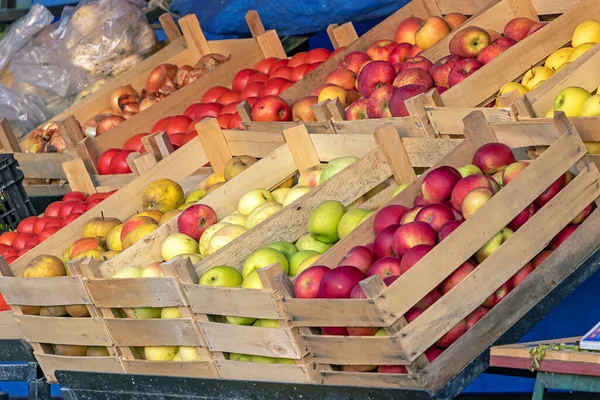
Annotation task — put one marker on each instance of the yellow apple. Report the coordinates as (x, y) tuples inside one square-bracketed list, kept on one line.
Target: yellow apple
[(208, 234), (592, 147), (558, 58), (579, 50), (512, 86), (264, 212), (570, 100), (213, 179), (188, 353), (591, 107), (550, 113), (195, 195), (295, 193), (160, 353), (177, 244), (224, 236), (536, 75), (170, 313), (129, 272), (236, 219), (279, 194), (586, 32), (253, 199)]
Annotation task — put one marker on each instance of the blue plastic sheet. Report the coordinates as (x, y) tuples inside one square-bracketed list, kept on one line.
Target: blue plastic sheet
[(225, 18)]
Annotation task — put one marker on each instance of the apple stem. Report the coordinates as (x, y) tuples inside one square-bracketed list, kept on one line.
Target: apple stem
[(102, 215)]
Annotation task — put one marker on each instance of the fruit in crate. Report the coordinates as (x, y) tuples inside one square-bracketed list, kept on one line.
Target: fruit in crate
[(570, 100)]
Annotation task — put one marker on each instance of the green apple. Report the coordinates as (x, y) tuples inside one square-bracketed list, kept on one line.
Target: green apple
[(570, 100), (298, 258), (308, 262), (195, 195), (591, 107), (170, 313), (267, 323), (506, 233), (221, 276), (261, 213), (235, 356), (147, 312), (177, 244), (252, 281), (334, 166), (307, 242), (294, 194), (208, 234), (129, 272), (224, 236), (350, 220), (279, 194), (263, 359), (253, 199), (160, 353), (470, 169), (188, 353), (324, 219), (236, 219), (240, 320), (288, 249), (194, 258), (400, 188), (381, 332), (264, 257), (286, 361)]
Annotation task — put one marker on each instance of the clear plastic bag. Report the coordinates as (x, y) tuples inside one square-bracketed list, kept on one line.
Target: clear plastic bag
[(24, 110)]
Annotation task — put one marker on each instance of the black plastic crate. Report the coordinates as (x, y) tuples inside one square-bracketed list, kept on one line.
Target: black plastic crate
[(14, 202)]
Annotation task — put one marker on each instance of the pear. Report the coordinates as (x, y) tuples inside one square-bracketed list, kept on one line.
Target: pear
[(45, 266)]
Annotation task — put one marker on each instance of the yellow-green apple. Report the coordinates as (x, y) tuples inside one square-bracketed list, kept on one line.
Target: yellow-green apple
[(570, 100), (297, 259), (469, 42), (378, 105), (400, 53), (354, 60), (294, 194), (99, 227), (187, 353), (160, 353), (562, 236), (579, 51), (495, 185), (302, 109), (380, 50), (521, 274), (252, 281), (263, 359), (431, 31), (512, 171), (237, 218), (448, 228), (195, 220), (498, 295), (350, 220), (221, 276), (435, 215), (307, 242), (360, 257), (399, 189), (413, 256), (129, 272), (388, 215), (536, 75), (465, 185), (152, 271), (194, 196), (208, 234), (591, 107), (462, 70), (396, 104), (338, 283), (540, 258), (373, 75), (489, 247), (342, 77), (493, 157), (410, 214), (522, 217), (308, 282), (334, 166), (458, 275), (469, 169), (474, 200), (147, 312), (308, 262), (586, 32), (582, 216), (286, 248), (358, 293), (177, 244), (357, 110), (405, 33), (237, 165), (517, 28), (333, 92), (264, 257), (383, 245), (489, 53), (324, 220), (454, 19), (224, 236), (438, 184), (262, 212), (416, 62), (537, 27), (452, 335), (271, 109), (411, 235), (441, 69), (475, 316), (239, 357), (252, 199), (415, 76), (385, 267), (279, 194), (311, 176), (170, 313), (267, 323)]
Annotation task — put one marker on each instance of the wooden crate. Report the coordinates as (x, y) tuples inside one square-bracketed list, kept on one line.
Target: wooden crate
[(9, 329), (406, 343), (114, 297), (42, 332)]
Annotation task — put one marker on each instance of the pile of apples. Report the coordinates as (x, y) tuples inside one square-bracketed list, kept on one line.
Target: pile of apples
[(263, 83), (404, 235), (585, 36)]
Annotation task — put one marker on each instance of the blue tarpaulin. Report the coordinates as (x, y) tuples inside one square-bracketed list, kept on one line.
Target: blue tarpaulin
[(225, 18)]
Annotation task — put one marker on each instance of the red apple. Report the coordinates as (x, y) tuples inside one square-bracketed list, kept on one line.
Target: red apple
[(209, 110), (493, 157), (490, 52), (358, 293), (539, 259), (560, 236), (374, 75), (105, 159), (464, 186), (342, 77), (453, 335), (441, 70), (537, 27), (522, 217), (337, 283), (411, 235), (383, 245), (436, 215), (512, 171), (505, 41), (258, 77), (419, 200), (412, 256), (415, 51), (276, 65), (312, 67), (407, 29), (271, 109), (302, 110), (457, 276), (455, 19), (388, 215), (212, 94), (400, 53), (397, 106), (469, 42), (416, 76), (118, 164), (522, 274), (379, 102), (438, 184), (272, 87), (385, 267), (66, 208), (429, 299), (380, 50), (299, 72), (392, 369), (194, 220), (337, 331), (431, 31), (9, 251), (582, 216), (410, 215), (475, 316), (159, 126), (80, 208), (549, 193), (134, 143), (412, 314), (518, 28), (228, 98), (360, 257), (416, 62), (28, 224), (498, 295), (70, 218), (448, 228), (357, 110), (283, 72), (462, 70), (317, 55), (265, 64), (308, 282)]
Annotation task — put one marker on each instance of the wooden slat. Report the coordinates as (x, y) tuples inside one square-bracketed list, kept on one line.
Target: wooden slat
[(195, 369), (344, 35), (54, 291), (214, 143), (394, 381), (170, 27), (470, 7), (153, 332), (332, 39), (51, 363), (42, 165), (270, 44), (194, 37), (64, 330), (407, 126), (78, 176), (354, 350), (301, 147), (254, 23), (389, 141), (8, 141), (135, 292), (321, 312), (9, 329), (448, 120), (538, 130), (267, 372)]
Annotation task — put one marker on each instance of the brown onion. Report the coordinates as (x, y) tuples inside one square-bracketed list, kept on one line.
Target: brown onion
[(159, 77), (89, 126), (56, 144), (211, 61), (167, 89), (182, 74), (149, 101), (107, 123), (123, 90), (36, 144)]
